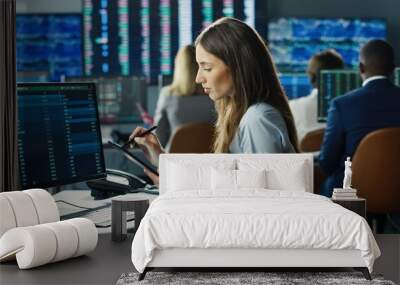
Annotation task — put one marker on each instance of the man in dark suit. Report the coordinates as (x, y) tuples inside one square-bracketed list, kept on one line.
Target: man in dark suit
[(351, 117)]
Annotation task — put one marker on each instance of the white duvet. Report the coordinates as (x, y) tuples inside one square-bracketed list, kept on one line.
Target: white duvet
[(250, 219)]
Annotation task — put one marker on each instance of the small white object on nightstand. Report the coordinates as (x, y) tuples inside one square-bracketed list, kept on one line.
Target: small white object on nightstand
[(347, 174)]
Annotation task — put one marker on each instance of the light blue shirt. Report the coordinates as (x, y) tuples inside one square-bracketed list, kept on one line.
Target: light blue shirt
[(262, 129)]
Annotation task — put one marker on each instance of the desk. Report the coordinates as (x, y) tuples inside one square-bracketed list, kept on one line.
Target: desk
[(84, 199), (104, 265), (78, 197)]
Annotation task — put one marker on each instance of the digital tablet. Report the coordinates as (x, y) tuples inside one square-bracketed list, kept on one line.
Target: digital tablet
[(134, 158)]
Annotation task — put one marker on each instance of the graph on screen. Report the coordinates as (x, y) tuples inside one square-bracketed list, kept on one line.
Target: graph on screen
[(295, 85), (141, 37), (294, 40), (334, 83), (49, 43)]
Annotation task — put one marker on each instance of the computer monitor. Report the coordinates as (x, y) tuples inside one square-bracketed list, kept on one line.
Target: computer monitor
[(118, 97), (141, 38), (397, 76), (50, 42), (295, 85), (59, 138), (293, 41), (334, 83)]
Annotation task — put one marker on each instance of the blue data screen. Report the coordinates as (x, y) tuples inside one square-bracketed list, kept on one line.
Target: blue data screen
[(295, 85), (50, 43), (294, 40), (59, 139)]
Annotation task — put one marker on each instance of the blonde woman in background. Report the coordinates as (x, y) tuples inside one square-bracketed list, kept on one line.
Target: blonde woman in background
[(183, 101)]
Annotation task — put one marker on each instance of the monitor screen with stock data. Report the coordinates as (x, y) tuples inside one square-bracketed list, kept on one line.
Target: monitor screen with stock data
[(59, 138)]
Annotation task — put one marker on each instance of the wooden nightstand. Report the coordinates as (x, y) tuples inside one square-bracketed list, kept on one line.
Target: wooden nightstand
[(358, 206)]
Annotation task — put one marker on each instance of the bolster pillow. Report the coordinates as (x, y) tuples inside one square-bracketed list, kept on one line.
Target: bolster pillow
[(26, 208), (40, 244)]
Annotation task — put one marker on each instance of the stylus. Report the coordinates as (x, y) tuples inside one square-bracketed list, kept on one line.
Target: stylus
[(141, 135)]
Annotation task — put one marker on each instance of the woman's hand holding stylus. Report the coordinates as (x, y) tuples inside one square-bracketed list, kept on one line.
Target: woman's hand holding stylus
[(148, 143)]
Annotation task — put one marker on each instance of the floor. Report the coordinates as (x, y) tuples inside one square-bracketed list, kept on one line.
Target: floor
[(103, 266), (111, 259), (388, 264)]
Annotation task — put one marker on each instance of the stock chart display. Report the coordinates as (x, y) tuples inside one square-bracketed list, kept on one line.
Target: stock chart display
[(49, 43), (294, 40), (295, 85), (141, 37), (334, 83), (59, 139)]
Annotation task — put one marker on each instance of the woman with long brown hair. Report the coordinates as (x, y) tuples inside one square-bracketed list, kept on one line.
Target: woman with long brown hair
[(237, 72)]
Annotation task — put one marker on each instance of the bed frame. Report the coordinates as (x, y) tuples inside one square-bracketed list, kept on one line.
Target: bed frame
[(246, 258), (256, 258)]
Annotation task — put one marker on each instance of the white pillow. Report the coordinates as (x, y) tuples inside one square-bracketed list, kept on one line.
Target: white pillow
[(186, 175), (292, 180), (183, 178), (282, 174), (251, 178), (222, 179)]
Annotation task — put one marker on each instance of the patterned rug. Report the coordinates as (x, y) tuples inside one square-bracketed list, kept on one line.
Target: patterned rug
[(242, 278)]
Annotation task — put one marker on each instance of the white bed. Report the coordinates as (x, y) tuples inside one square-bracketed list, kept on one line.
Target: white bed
[(247, 211)]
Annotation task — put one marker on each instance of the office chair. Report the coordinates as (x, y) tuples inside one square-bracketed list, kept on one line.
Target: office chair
[(312, 141), (376, 170), (193, 138)]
